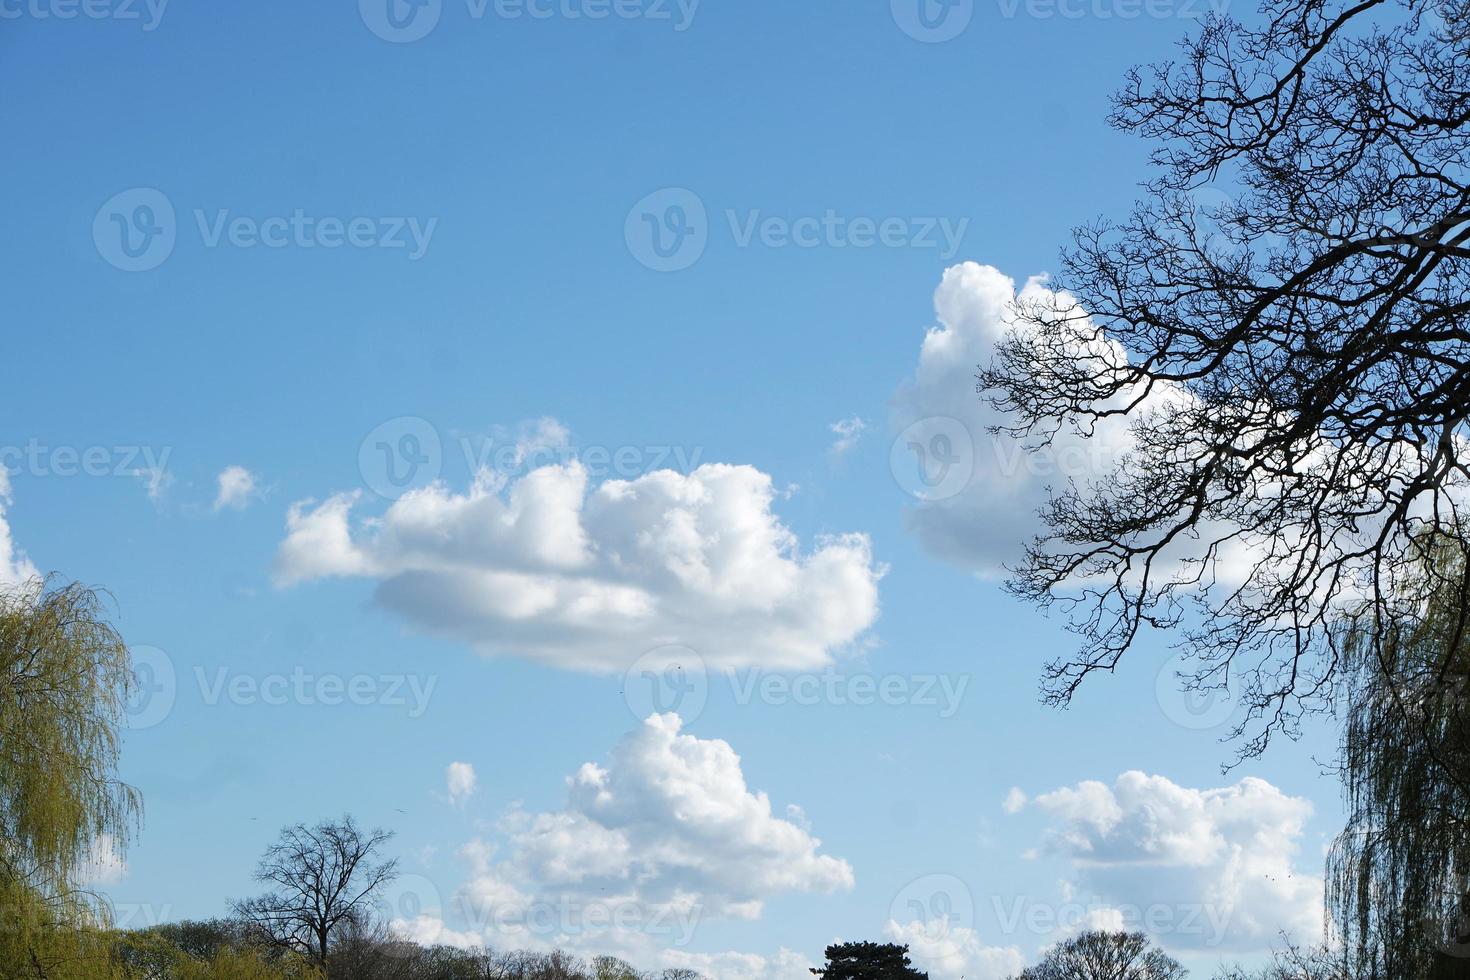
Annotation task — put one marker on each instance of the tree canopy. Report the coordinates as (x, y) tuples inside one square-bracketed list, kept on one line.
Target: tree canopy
[(66, 676), (868, 961), (1099, 955), (1292, 367)]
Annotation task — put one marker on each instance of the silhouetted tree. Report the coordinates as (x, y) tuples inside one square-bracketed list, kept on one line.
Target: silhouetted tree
[(868, 961), (1105, 956), (1295, 365), (1296, 963), (325, 878)]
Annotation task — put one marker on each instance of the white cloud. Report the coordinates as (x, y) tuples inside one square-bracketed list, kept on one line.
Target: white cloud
[(661, 838), (848, 432), (459, 779), (949, 952), (1015, 801), (15, 567), (547, 567), (1215, 868), (669, 820), (237, 487), (985, 512), (104, 865)]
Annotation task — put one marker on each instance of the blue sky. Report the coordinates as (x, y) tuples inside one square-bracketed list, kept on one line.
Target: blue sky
[(374, 238)]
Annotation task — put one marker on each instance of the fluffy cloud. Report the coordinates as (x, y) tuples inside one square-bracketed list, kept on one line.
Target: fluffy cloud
[(1215, 868), (670, 822), (459, 780), (547, 566), (949, 952), (661, 838), (15, 567), (237, 487), (980, 492)]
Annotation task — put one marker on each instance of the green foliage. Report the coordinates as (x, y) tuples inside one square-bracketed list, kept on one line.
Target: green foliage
[(214, 950), (868, 961), (65, 675), (247, 964), (1397, 885)]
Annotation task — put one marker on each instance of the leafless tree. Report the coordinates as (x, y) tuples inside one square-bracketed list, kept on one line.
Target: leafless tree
[(323, 879), (1105, 956), (1294, 363)]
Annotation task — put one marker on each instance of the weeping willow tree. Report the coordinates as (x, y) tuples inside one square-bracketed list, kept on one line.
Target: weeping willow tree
[(1399, 874), (65, 676)]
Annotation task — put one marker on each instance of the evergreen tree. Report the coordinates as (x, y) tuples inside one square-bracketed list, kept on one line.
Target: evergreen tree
[(868, 961)]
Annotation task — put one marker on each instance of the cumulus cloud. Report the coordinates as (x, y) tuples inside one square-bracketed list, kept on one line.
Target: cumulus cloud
[(662, 836), (949, 952), (1208, 869), (459, 779), (549, 567), (237, 488), (848, 432), (980, 492), (15, 567), (670, 821)]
